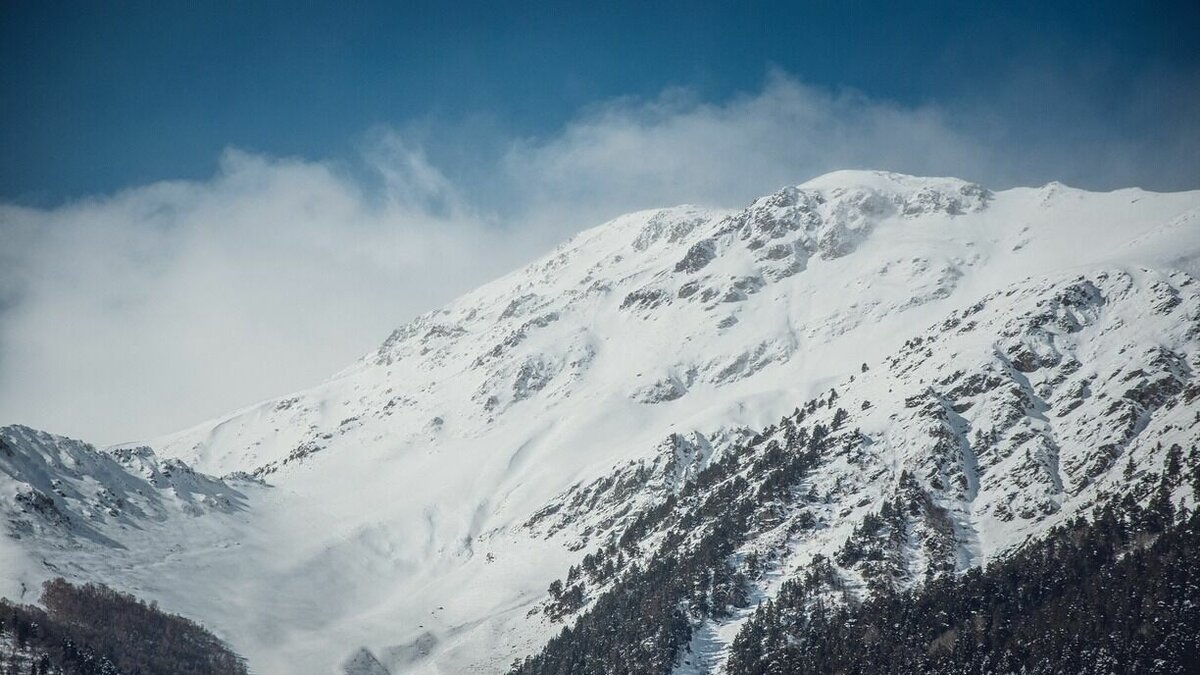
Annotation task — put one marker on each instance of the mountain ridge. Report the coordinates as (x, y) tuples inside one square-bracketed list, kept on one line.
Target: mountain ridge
[(438, 484), (648, 223)]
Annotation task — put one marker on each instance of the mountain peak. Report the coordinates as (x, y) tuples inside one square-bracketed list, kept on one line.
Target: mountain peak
[(994, 356), (884, 181)]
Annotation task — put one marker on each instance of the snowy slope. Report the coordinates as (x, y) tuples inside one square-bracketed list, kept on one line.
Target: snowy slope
[(393, 506), (1015, 414)]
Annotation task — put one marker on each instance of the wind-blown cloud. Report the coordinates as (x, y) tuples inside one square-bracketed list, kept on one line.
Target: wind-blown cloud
[(676, 149), (138, 313), (151, 309)]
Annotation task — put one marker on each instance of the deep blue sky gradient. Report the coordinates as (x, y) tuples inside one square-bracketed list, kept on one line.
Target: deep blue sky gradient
[(96, 96)]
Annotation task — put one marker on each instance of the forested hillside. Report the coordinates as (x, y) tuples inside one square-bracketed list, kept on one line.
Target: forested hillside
[(1116, 593), (94, 630)]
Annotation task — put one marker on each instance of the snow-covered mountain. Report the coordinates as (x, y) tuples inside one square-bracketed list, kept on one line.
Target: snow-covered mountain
[(994, 362)]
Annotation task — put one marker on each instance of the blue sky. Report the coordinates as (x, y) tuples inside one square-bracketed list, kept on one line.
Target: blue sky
[(104, 95), (205, 204)]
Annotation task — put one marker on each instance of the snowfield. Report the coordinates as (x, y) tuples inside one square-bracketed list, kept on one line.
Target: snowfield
[(1012, 351)]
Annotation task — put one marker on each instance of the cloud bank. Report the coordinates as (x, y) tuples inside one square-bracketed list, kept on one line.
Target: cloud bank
[(138, 313)]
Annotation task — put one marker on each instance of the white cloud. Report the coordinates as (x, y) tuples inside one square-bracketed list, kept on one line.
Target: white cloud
[(142, 312), (154, 308), (676, 149)]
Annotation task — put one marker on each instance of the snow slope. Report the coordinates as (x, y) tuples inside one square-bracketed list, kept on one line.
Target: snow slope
[(390, 507)]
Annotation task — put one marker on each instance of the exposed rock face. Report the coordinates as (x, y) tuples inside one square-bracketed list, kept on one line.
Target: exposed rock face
[(67, 488)]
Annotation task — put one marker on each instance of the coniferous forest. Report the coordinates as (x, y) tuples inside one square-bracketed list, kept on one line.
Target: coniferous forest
[(94, 630), (644, 621), (1117, 591), (1117, 595)]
